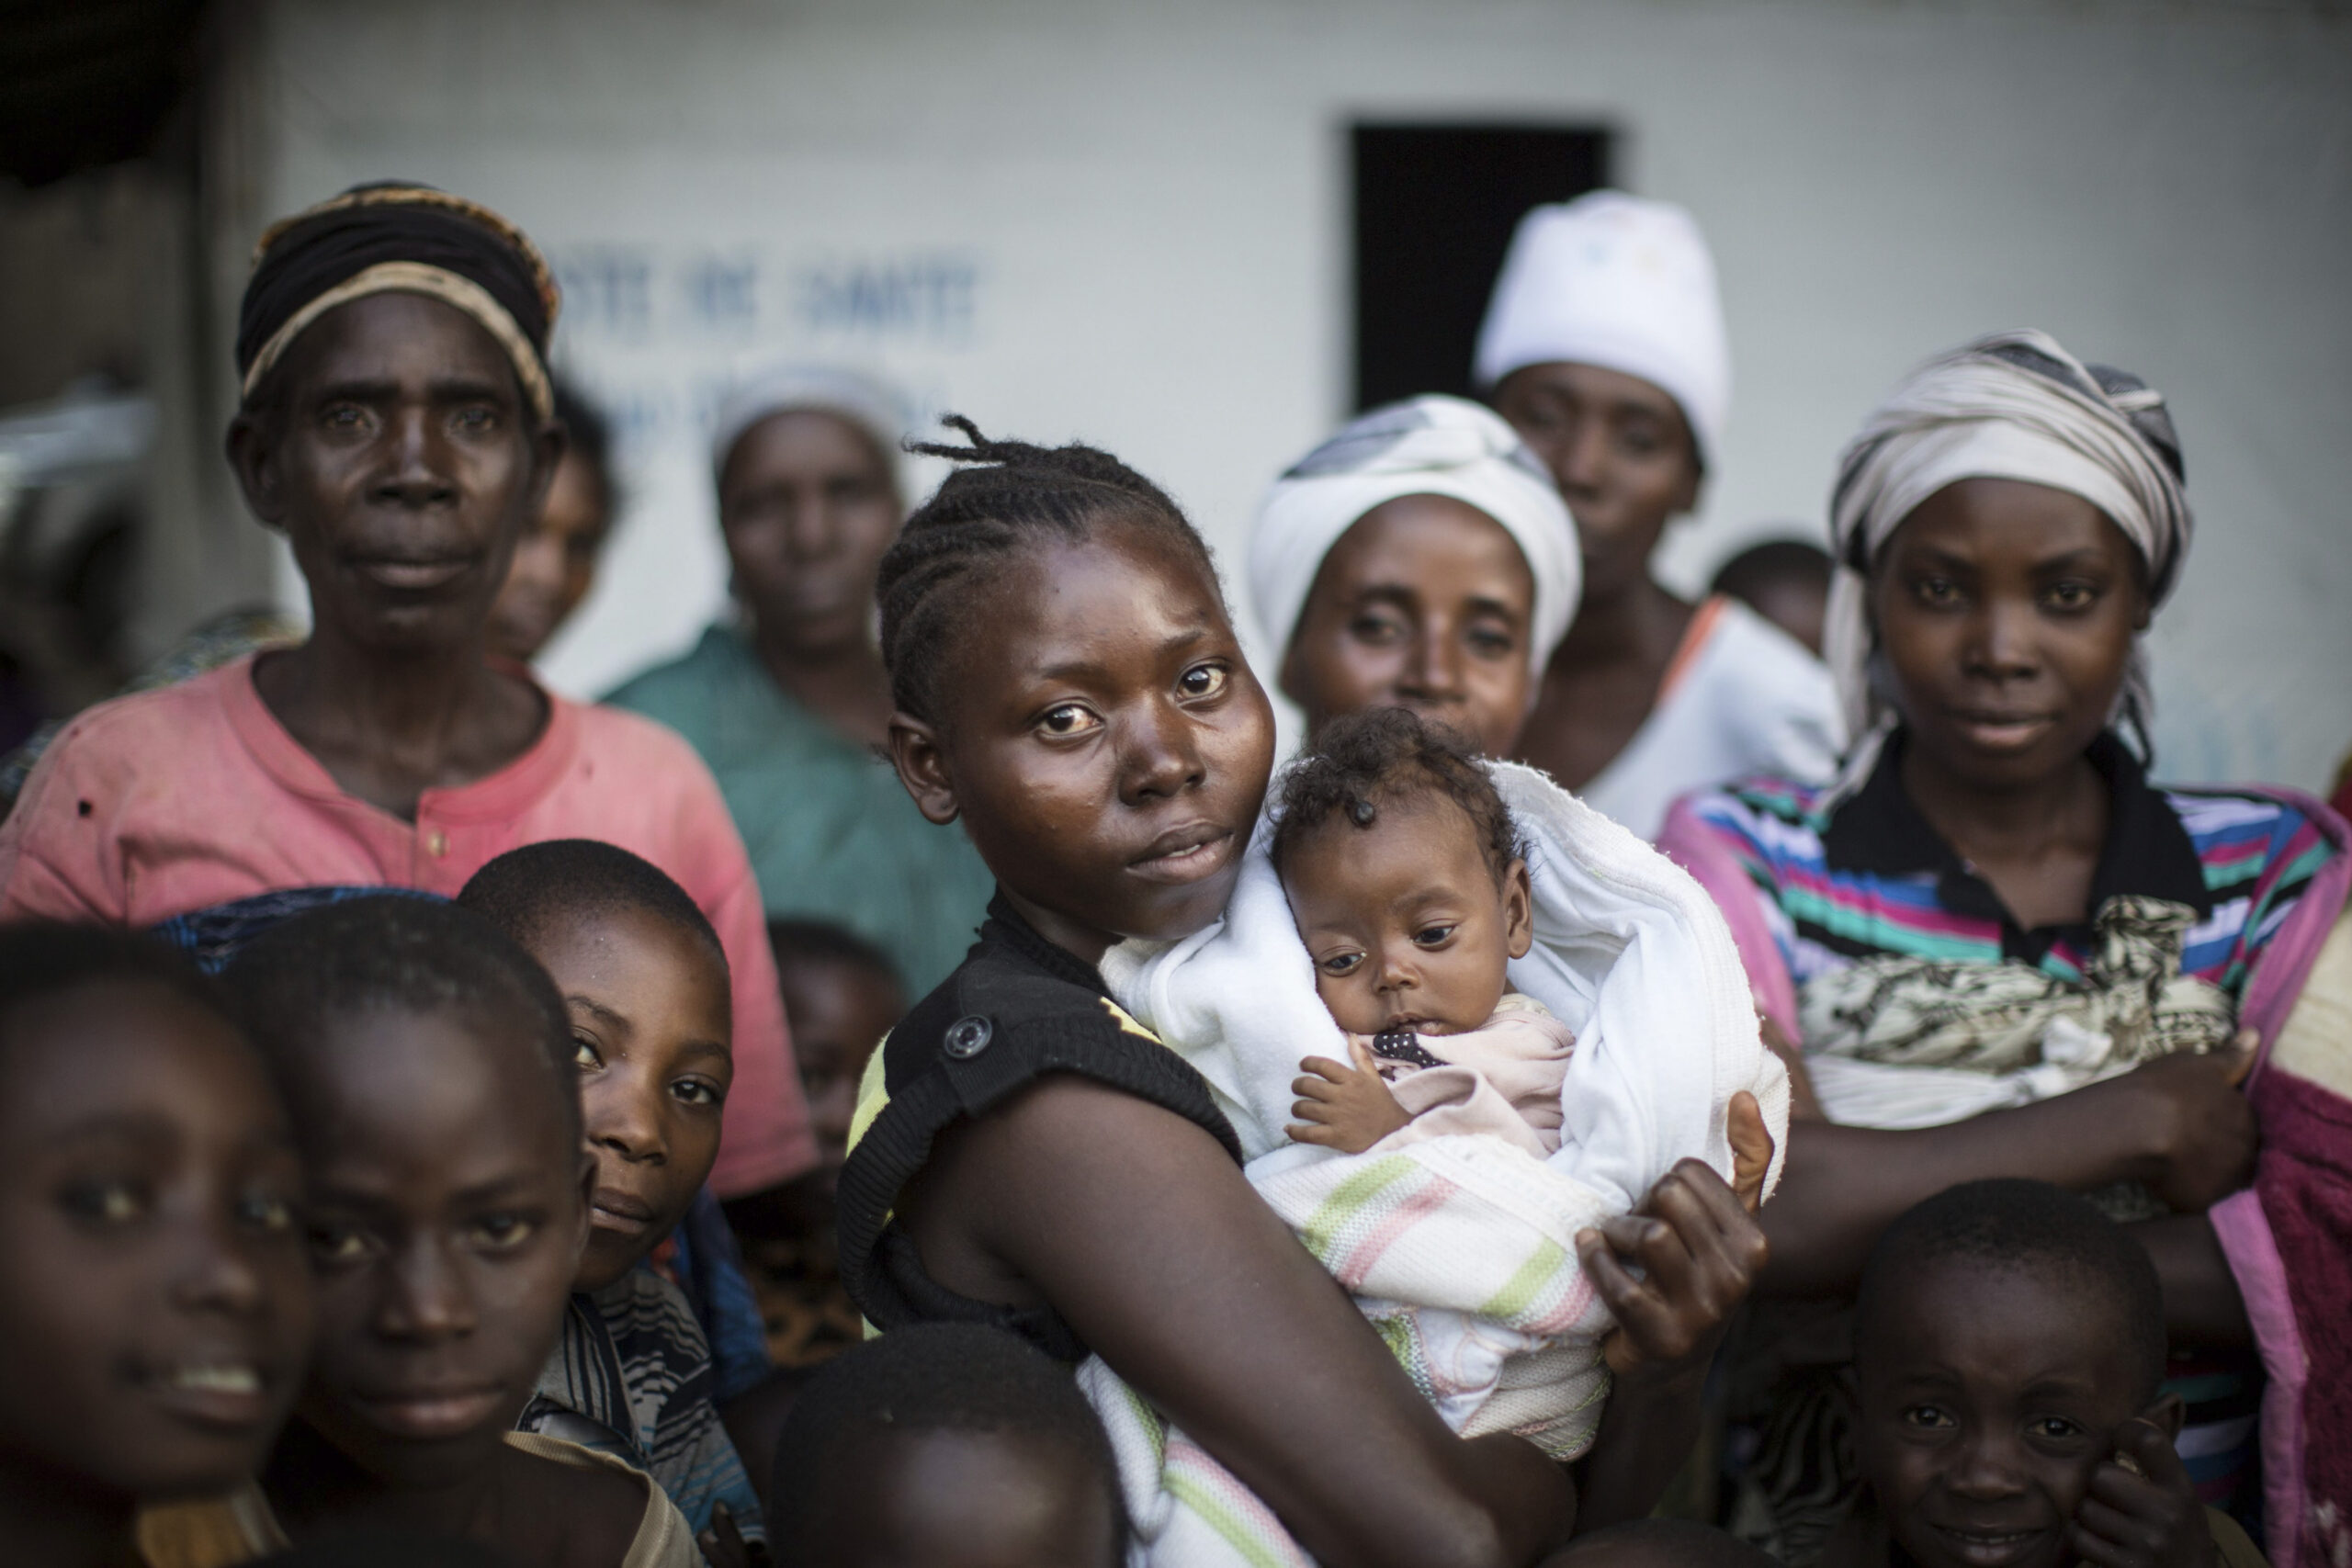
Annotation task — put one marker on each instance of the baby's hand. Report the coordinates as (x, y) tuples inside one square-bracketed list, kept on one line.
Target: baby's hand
[(2149, 1520), (1343, 1107)]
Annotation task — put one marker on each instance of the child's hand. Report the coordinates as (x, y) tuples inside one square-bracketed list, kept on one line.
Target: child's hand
[(2149, 1520), (1343, 1107), (723, 1545)]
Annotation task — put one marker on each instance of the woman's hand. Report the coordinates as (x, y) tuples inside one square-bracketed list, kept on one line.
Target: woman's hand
[(2200, 1140), (1697, 1243)]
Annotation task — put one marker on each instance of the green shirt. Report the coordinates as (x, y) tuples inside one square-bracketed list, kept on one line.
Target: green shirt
[(831, 833)]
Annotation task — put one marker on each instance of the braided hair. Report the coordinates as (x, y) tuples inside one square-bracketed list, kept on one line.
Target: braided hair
[(1009, 493)]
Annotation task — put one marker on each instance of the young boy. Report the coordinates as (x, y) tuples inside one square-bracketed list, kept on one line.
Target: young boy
[(841, 996), (644, 982), (1411, 893), (156, 1308), (2008, 1341), (427, 1065), (952, 1445)]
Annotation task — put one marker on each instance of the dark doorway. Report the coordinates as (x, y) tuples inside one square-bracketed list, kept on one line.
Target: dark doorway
[(1435, 206)]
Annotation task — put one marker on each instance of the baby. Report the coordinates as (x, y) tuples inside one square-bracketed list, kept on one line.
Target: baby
[(2008, 1344), (1410, 887)]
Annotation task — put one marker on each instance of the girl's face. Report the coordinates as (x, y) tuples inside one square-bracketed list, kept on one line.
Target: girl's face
[(1425, 604), (1101, 738), (1622, 454), (2005, 611), (158, 1308), (652, 1030)]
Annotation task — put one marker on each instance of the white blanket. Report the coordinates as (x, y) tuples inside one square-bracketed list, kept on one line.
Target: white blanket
[(1460, 1250)]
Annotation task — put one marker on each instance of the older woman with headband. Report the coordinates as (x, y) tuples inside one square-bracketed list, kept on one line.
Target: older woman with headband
[(789, 706), (2003, 951), (1604, 346), (398, 426), (1419, 559)]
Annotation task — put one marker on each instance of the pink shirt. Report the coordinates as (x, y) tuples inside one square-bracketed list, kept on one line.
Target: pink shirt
[(165, 801)]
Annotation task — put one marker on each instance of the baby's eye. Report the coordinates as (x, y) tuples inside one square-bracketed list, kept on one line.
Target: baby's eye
[(695, 1092), (107, 1201), (265, 1212), (1068, 719), (1204, 681), (501, 1232), (1341, 962), (475, 420), (1435, 936), (1925, 1416), (339, 1245), (584, 1055)]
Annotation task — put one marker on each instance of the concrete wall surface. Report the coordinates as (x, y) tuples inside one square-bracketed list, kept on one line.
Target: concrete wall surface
[(1128, 222)]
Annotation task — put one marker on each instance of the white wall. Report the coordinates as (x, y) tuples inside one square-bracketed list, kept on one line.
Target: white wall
[(1127, 222)]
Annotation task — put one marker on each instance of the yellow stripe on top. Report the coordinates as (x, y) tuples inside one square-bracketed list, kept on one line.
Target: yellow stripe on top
[(873, 1094)]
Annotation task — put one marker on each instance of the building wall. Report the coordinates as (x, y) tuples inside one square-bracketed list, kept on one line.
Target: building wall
[(1127, 222)]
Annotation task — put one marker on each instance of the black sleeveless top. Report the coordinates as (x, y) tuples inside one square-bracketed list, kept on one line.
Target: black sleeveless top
[(1016, 1009)]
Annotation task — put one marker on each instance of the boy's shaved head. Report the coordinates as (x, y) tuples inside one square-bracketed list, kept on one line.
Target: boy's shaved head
[(522, 890), (2019, 1226), (404, 955)]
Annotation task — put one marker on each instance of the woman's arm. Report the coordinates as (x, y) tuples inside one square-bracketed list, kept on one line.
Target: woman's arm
[(2202, 1305), (1148, 1239), (2178, 1125)]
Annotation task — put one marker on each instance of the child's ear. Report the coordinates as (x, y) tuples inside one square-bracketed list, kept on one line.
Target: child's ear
[(252, 447), (1519, 909), (2166, 1415), (922, 768)]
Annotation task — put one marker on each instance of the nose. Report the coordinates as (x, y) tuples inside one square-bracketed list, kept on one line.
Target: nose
[(1432, 669), (1987, 1469), (1581, 459), (427, 1300), (809, 526), (416, 472), (1161, 754), (1399, 972), (2002, 646), (219, 1274), (624, 1116)]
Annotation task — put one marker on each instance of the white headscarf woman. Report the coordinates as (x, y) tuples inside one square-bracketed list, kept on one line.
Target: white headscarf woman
[(1446, 585)]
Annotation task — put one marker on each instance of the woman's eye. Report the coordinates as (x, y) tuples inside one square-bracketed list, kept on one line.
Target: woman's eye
[(1935, 591), (584, 1055), (343, 417), (338, 1243), (1434, 936), (1204, 681), (1342, 963), (266, 1212), (1068, 719), (1925, 1416), (695, 1092), (1639, 441), (107, 1202), (2073, 595), (1488, 643), (475, 420), (1377, 630), (502, 1233)]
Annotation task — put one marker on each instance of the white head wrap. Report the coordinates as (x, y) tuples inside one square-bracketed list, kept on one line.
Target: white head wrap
[(1612, 281), (874, 408), (1426, 446), (2011, 406)]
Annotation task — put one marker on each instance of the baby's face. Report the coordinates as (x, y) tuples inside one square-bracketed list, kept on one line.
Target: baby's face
[(1404, 918)]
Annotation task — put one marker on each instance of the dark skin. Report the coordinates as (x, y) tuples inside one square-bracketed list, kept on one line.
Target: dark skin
[(161, 1339), (809, 504), (1624, 459), (1118, 720), (2007, 611), (652, 1025), (949, 1498), (1425, 604), (1993, 1407), (554, 564), (840, 1012), (447, 1210), (393, 449)]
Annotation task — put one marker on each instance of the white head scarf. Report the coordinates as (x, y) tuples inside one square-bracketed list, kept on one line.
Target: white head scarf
[(1426, 446), (869, 405), (1612, 281), (2011, 406)]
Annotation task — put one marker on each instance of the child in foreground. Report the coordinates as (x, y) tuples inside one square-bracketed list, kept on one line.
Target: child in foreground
[(158, 1306), (951, 1445), (1410, 889), (2008, 1342), (427, 1063), (645, 987)]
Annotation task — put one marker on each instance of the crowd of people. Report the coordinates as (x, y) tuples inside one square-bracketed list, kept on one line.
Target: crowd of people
[(918, 1079)]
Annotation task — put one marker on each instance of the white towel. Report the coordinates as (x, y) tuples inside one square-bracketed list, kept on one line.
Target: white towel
[(1462, 1250)]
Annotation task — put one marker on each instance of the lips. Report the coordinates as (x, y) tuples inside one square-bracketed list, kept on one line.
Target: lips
[(414, 576), (1989, 1547), (429, 1414), (610, 1208), (214, 1391), (1185, 854)]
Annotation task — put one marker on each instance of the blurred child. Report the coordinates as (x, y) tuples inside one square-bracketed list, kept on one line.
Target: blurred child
[(2008, 1342), (427, 1063), (841, 996), (951, 1445), (645, 983), (1410, 891), (554, 564), (157, 1306), (1785, 580)]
